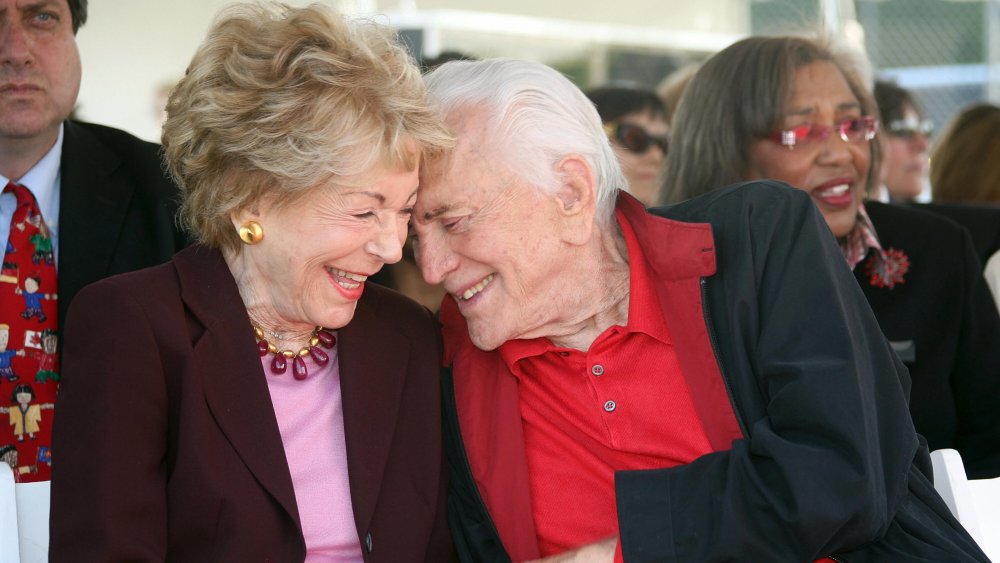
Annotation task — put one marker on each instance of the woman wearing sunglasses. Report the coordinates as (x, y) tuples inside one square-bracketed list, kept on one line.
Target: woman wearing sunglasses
[(794, 110), (906, 141), (635, 121)]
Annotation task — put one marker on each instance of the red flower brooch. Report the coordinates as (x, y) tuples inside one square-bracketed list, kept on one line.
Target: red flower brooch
[(886, 269)]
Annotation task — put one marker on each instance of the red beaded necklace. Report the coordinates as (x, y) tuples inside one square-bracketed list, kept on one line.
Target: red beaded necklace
[(279, 364)]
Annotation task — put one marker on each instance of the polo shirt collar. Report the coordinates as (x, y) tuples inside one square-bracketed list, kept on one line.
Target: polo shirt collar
[(644, 311)]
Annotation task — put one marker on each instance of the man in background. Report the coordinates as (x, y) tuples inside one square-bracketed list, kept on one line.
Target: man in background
[(94, 197)]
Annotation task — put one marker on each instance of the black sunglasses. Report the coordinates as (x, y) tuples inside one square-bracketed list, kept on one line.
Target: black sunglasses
[(634, 138)]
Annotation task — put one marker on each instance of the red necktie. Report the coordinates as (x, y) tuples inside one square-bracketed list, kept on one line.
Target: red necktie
[(29, 361)]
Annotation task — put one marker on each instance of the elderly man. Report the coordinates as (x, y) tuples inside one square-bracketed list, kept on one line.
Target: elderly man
[(675, 385), (80, 202)]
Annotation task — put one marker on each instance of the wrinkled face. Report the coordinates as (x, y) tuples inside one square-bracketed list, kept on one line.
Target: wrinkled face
[(643, 170), (905, 163), (832, 171), (40, 72), (491, 239), (311, 266)]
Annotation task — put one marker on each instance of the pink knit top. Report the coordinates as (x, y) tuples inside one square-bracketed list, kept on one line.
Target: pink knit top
[(311, 420)]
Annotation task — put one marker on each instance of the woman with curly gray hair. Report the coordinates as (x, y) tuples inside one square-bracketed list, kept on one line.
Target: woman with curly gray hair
[(254, 398)]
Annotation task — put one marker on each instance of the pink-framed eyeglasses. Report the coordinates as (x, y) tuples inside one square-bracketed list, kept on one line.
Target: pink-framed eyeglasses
[(851, 130)]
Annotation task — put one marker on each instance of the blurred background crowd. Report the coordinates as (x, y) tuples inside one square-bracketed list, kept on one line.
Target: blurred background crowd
[(943, 51)]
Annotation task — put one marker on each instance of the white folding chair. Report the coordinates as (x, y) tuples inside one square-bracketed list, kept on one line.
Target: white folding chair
[(974, 502), (8, 516), (24, 519), (33, 521)]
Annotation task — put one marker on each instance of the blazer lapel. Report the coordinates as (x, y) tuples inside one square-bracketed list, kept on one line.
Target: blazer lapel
[(373, 364), (227, 361), (93, 204)]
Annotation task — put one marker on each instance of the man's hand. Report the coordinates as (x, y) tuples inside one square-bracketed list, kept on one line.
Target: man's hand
[(600, 552)]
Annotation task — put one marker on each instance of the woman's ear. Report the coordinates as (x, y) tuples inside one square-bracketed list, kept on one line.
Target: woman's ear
[(243, 215)]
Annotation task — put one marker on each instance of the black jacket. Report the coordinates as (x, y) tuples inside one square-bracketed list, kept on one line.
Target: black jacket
[(829, 462), (980, 219), (944, 325), (116, 208)]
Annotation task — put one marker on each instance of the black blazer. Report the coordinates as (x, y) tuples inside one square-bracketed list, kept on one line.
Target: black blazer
[(116, 208), (169, 449), (944, 325)]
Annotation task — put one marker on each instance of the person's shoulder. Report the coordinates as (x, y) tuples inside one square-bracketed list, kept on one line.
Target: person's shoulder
[(924, 236), (742, 199), (145, 285), (117, 139), (981, 220), (913, 221), (151, 297), (138, 158), (966, 214)]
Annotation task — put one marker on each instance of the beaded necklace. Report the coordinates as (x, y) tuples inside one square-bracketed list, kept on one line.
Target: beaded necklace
[(279, 363)]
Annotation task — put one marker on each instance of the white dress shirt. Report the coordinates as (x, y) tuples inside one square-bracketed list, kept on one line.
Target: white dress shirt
[(43, 180)]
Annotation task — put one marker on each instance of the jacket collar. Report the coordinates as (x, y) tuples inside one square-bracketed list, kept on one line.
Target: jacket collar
[(674, 250)]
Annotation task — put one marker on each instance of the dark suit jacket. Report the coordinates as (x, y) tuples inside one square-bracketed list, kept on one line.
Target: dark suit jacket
[(981, 220), (116, 208), (944, 323), (168, 444)]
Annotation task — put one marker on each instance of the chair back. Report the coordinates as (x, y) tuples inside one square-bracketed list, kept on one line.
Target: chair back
[(33, 521), (8, 516), (24, 519), (974, 502)]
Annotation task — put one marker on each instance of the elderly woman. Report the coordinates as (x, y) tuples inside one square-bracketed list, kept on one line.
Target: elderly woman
[(636, 123), (254, 399), (792, 109)]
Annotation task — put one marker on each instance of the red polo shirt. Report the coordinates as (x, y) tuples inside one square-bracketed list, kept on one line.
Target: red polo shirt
[(622, 404)]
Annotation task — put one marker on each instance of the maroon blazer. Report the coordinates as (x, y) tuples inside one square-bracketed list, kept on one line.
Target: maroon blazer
[(166, 447)]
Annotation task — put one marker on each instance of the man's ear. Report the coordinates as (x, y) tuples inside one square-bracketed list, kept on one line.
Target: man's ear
[(577, 198)]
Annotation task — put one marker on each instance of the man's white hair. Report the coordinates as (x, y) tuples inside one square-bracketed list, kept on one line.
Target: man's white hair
[(536, 117)]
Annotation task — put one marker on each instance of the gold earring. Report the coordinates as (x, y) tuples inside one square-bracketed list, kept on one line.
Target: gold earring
[(251, 232)]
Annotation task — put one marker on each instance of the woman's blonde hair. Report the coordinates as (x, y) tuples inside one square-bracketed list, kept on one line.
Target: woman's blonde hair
[(279, 100), (965, 164)]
